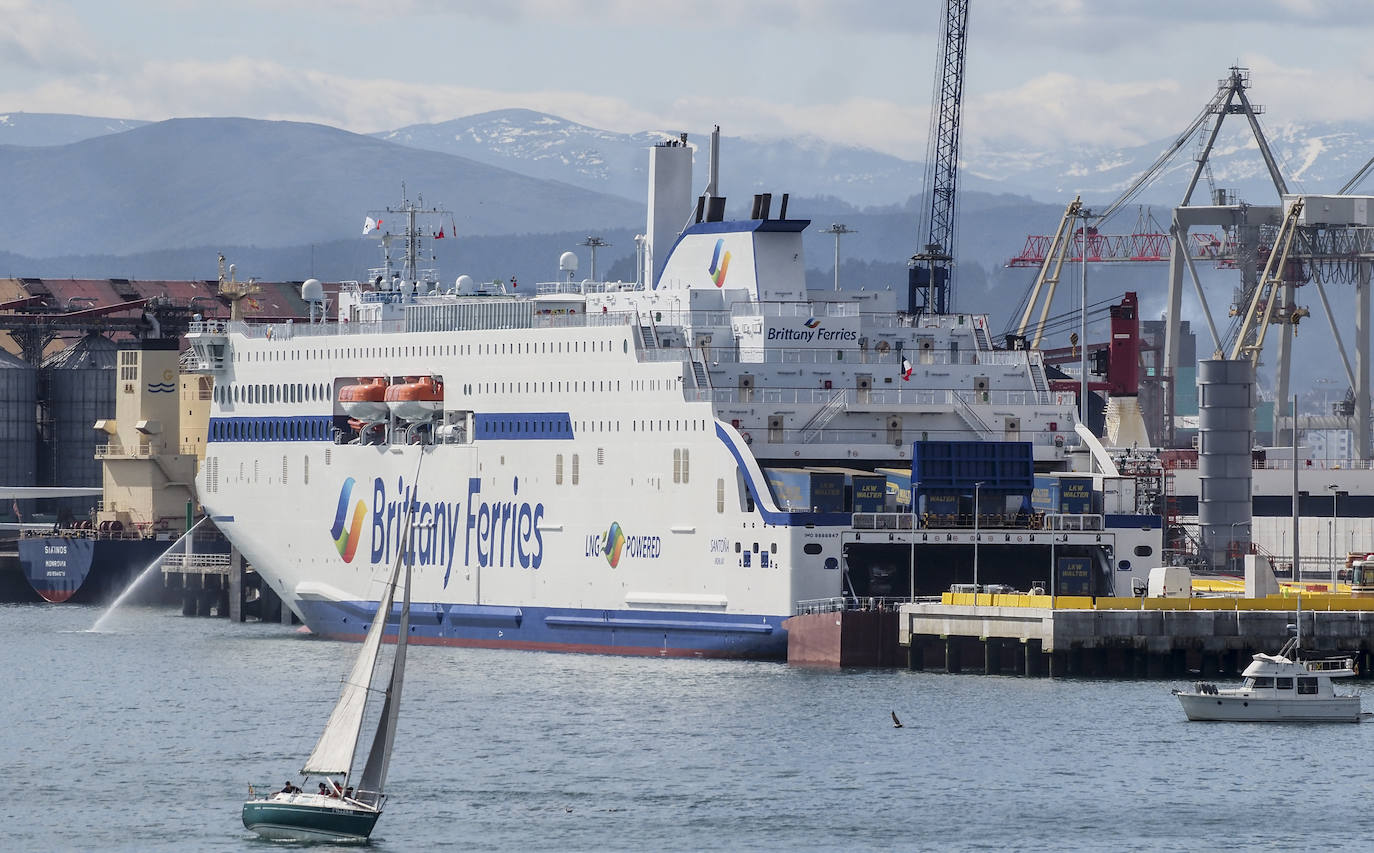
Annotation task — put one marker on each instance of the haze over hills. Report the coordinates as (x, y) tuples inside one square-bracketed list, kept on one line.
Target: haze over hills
[(97, 197), (550, 147), (242, 182), (21, 128)]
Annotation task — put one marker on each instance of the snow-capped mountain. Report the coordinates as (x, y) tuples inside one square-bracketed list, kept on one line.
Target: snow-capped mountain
[(42, 129), (1312, 157), (549, 147)]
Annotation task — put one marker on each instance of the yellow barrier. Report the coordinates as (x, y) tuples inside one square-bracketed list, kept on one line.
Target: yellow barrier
[(1285, 601)]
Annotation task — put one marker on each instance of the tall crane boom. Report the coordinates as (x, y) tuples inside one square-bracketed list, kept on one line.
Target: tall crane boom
[(928, 279)]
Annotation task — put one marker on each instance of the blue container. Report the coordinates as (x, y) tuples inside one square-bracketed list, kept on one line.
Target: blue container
[(898, 489), (1075, 576), (864, 491), (941, 505), (804, 490), (1076, 495), (1045, 494), (869, 492), (1003, 467)]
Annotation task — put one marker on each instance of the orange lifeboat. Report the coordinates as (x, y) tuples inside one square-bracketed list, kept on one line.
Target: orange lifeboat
[(365, 401), (418, 398)]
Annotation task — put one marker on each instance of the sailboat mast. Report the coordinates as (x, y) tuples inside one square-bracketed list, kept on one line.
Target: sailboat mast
[(379, 757)]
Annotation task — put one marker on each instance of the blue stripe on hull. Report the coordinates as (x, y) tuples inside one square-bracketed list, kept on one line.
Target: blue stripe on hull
[(621, 632)]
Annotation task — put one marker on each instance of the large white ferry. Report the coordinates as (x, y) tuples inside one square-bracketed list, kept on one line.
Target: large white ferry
[(597, 456)]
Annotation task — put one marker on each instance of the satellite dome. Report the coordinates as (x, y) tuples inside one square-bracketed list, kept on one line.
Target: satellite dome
[(312, 290), (463, 284), (567, 262)]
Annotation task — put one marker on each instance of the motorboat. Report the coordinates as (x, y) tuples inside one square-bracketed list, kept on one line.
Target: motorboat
[(1278, 688)]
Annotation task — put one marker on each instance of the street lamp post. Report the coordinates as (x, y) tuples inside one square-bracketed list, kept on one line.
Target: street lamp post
[(913, 542), (976, 486), (1331, 534), (837, 229)]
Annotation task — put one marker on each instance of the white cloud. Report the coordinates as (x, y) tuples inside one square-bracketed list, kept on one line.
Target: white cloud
[(44, 37), (1058, 109)]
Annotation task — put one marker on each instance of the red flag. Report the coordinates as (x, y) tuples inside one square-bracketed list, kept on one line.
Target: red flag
[(440, 235)]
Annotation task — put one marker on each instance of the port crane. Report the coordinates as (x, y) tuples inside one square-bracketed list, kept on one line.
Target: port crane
[(928, 277)]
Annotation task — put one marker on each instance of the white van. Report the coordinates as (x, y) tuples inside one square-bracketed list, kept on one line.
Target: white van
[(1170, 582)]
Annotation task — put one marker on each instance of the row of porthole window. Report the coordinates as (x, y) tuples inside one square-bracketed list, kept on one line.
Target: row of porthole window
[(429, 351), (270, 429), (297, 392), (522, 426)]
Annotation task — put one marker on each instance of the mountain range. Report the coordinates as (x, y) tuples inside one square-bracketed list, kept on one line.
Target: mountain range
[(105, 197)]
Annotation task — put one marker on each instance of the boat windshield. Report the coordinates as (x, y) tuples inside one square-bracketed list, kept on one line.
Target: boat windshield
[(1259, 681)]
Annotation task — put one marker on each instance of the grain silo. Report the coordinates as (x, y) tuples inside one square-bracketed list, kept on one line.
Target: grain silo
[(18, 434), (80, 390)]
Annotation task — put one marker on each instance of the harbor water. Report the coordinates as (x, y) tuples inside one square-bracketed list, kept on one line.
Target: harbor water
[(144, 737)]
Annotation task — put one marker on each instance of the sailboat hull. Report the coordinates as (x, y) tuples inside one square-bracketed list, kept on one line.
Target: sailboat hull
[(309, 817)]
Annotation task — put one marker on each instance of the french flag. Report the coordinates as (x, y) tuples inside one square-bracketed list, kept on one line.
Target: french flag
[(906, 370)]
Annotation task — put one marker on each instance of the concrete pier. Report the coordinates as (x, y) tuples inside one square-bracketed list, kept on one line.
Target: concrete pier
[(222, 585), (1174, 639)]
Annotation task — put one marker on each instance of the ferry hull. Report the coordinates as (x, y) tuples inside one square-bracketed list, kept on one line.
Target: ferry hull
[(620, 632), (1238, 709)]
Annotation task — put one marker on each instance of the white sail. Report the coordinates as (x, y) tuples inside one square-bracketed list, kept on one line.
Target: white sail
[(333, 754), (379, 757)]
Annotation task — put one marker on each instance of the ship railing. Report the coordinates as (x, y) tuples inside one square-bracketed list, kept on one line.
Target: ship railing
[(876, 397), (794, 309), (575, 288), (882, 520), (987, 521), (828, 356), (1287, 464), (849, 603), (1330, 664), (117, 451), (193, 563), (1072, 521), (208, 327), (924, 321), (869, 437)]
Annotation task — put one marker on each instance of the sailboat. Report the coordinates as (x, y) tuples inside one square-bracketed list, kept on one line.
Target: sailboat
[(336, 811)]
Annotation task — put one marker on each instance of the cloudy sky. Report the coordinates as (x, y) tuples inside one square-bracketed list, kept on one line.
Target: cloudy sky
[(1040, 72)]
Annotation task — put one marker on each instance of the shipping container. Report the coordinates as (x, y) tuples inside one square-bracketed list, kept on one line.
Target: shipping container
[(1045, 494), (1069, 495), (864, 491), (898, 489), (1075, 576), (806, 490), (1076, 495), (1002, 467)]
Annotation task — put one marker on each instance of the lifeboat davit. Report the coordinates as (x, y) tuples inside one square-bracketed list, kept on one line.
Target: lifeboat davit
[(365, 401), (419, 398)]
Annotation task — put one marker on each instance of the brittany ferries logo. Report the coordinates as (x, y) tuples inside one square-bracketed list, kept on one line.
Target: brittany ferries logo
[(614, 544), (811, 332), (719, 266), (346, 538), (495, 532)]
